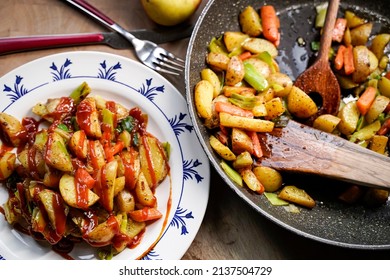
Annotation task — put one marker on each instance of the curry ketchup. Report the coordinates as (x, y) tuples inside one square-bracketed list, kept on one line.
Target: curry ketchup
[(83, 116)]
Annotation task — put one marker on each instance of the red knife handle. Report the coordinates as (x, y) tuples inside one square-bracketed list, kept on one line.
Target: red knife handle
[(92, 11), (17, 44)]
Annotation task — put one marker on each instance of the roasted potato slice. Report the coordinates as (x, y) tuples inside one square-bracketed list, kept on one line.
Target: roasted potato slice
[(143, 192), (56, 153), (87, 118), (250, 22), (68, 192), (55, 209), (7, 165), (12, 129), (298, 196), (300, 104), (153, 160)]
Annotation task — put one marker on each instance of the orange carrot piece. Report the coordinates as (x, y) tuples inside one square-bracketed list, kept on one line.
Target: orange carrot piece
[(349, 65), (111, 151), (365, 100), (232, 109), (339, 29), (385, 128), (387, 75), (257, 151), (245, 55), (145, 214), (339, 59), (270, 23)]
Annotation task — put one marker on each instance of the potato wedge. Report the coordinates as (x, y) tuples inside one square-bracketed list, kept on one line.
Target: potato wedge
[(252, 181), (87, 118), (300, 104), (7, 165), (234, 39), (102, 234), (256, 125), (349, 117), (153, 160), (378, 106), (217, 61), (379, 143), (56, 213), (105, 186), (12, 129), (274, 108), (362, 64), (67, 188), (204, 92), (298, 196), (241, 142), (360, 34), (56, 153), (259, 45), (143, 192), (78, 144), (379, 43), (281, 83), (270, 178), (250, 23), (209, 75), (326, 122), (125, 201), (234, 72), (221, 149)]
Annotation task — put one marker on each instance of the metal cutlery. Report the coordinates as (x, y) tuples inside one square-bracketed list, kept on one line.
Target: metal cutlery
[(147, 52), (112, 39)]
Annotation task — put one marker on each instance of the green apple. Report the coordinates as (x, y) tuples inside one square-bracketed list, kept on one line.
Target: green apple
[(172, 12)]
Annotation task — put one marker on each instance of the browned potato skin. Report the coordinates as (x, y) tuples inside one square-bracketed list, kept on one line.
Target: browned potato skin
[(241, 142), (250, 23), (235, 71), (12, 129)]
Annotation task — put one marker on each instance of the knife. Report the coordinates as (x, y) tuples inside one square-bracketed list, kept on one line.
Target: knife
[(112, 39)]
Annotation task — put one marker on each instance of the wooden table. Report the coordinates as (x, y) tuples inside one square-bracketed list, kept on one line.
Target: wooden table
[(231, 229)]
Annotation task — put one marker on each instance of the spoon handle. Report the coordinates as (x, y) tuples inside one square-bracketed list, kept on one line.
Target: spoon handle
[(330, 21)]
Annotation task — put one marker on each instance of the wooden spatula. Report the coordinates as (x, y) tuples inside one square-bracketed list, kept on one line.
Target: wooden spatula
[(319, 77), (303, 149)]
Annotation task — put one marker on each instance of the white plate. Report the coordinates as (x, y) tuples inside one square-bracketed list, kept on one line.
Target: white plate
[(182, 197)]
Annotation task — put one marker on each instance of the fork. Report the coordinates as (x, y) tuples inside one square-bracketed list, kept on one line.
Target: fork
[(147, 52)]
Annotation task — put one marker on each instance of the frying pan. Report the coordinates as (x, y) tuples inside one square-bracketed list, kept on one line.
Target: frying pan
[(331, 221)]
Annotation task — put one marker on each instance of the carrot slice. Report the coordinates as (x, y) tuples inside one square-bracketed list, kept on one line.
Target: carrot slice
[(385, 128), (257, 151), (232, 109), (366, 99), (349, 65), (339, 59), (339, 29), (145, 214), (270, 23), (245, 55)]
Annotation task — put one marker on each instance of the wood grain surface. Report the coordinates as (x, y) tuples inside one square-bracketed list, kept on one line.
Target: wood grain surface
[(231, 229)]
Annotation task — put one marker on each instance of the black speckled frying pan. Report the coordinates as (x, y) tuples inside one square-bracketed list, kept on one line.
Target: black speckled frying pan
[(331, 221)]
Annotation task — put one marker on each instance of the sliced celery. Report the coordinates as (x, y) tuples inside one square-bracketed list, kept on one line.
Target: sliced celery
[(233, 174), (254, 78), (275, 200)]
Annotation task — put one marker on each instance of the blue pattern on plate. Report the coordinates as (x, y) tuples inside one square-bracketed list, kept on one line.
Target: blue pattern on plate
[(178, 220), (61, 73), (108, 73), (178, 125), (2, 258), (150, 92), (188, 170), (151, 255), (17, 91)]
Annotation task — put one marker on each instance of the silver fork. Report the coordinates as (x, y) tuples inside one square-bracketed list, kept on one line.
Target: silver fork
[(147, 52)]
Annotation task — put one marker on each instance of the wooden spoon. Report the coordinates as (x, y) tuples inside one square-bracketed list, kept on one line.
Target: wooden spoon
[(319, 78), (302, 149)]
